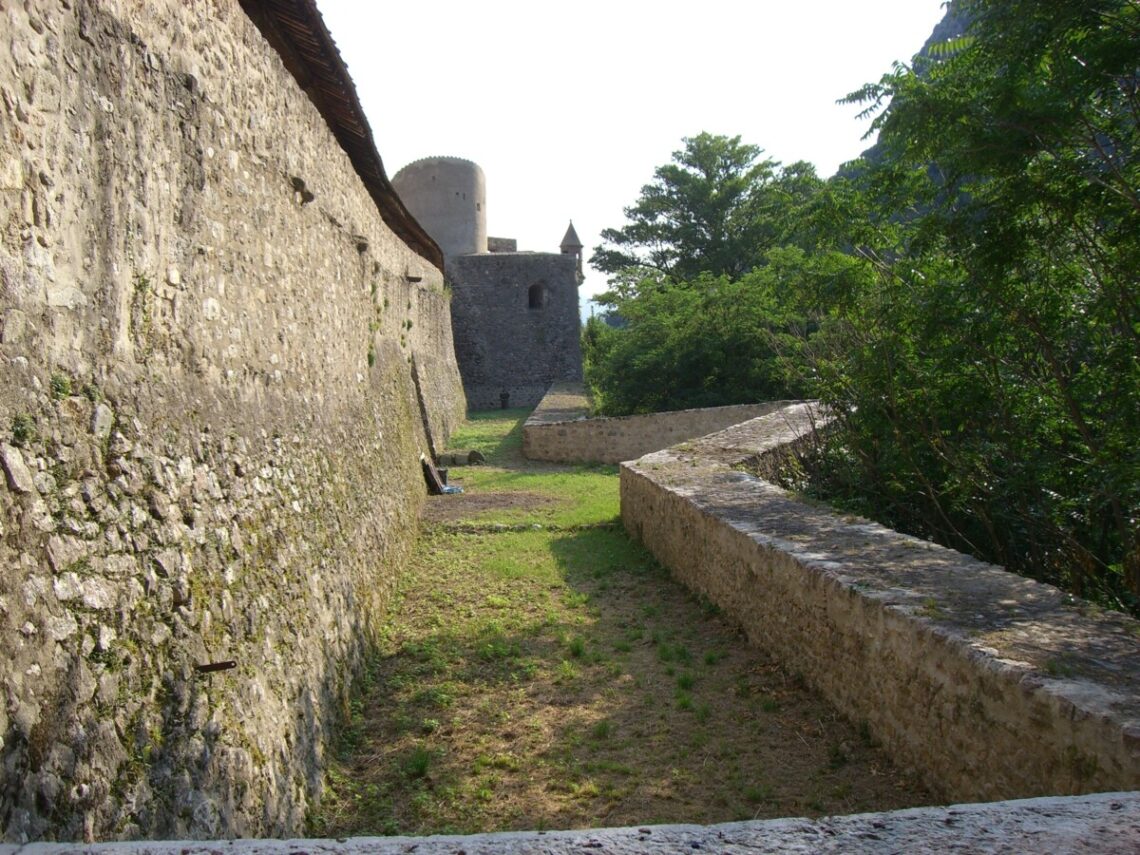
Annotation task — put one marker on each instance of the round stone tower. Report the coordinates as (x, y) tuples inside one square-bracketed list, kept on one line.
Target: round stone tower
[(448, 197)]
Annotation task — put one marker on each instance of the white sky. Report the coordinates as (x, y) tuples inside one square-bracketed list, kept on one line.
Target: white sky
[(568, 107)]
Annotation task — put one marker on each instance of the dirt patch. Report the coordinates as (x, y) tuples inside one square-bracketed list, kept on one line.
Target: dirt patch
[(464, 506)]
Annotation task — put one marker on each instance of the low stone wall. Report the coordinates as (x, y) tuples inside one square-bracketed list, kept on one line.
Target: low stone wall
[(992, 686), (561, 431)]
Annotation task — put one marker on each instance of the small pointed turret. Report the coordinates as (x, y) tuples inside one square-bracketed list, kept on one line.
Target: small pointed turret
[(572, 245)]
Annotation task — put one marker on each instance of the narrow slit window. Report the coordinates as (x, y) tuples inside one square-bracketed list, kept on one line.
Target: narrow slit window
[(536, 296)]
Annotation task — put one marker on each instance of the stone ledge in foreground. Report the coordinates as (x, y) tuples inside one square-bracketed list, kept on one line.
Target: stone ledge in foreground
[(1106, 824)]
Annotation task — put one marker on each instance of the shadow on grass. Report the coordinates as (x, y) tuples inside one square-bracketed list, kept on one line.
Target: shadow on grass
[(598, 693), (543, 678), (484, 432)]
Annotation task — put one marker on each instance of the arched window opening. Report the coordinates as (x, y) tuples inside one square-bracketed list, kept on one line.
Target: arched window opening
[(536, 296)]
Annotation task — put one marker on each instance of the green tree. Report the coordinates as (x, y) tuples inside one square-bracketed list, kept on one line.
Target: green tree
[(716, 208), (699, 278), (709, 342)]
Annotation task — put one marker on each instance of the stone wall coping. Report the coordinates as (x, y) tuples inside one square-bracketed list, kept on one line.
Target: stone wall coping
[(1105, 823), (563, 402), (754, 438), (562, 430)]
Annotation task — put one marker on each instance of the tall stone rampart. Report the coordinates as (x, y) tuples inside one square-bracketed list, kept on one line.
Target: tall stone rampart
[(219, 366)]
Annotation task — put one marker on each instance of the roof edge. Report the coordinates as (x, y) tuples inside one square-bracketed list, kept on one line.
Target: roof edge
[(297, 32)]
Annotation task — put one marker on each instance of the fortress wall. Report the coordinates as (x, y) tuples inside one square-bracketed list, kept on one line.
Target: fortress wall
[(990, 685), (502, 344), (560, 430), (498, 244), (209, 424)]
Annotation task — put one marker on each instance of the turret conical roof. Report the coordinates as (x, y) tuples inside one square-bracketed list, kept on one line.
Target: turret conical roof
[(571, 240)]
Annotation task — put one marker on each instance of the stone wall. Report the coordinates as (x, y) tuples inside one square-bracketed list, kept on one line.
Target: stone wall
[(218, 370), (498, 244), (560, 429), (990, 685), (502, 343)]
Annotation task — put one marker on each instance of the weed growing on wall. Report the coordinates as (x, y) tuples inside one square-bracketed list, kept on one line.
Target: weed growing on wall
[(60, 386), (24, 431), (142, 309)]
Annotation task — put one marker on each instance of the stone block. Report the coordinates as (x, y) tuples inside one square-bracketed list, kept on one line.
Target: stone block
[(16, 472)]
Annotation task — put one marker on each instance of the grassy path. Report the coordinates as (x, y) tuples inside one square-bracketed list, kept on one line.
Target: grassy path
[(542, 671)]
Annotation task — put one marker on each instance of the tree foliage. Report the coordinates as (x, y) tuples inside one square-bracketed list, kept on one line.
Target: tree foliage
[(968, 301), (701, 314), (988, 373), (708, 211), (706, 343)]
